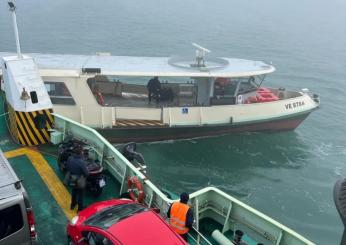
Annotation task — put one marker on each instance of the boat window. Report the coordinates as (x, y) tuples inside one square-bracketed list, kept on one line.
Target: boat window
[(133, 91), (33, 96), (58, 93), (112, 215), (247, 85), (11, 220), (225, 87)]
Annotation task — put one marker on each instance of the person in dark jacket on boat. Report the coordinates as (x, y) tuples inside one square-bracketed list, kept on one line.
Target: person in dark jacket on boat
[(181, 216), (77, 174), (154, 88)]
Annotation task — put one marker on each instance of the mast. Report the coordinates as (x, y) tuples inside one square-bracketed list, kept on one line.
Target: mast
[(15, 27)]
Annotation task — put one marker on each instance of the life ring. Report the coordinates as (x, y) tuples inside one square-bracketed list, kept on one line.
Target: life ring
[(133, 184), (99, 98)]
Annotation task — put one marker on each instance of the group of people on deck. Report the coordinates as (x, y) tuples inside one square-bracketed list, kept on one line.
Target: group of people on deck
[(155, 91)]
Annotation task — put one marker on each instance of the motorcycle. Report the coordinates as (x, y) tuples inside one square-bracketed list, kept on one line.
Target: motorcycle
[(95, 181), (136, 158)]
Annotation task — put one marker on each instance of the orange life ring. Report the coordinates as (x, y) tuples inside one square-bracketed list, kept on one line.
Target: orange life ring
[(133, 184), (99, 98)]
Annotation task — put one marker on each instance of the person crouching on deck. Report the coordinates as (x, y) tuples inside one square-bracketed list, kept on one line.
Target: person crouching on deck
[(181, 216)]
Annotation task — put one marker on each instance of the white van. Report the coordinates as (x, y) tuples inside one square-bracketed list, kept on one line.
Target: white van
[(17, 224)]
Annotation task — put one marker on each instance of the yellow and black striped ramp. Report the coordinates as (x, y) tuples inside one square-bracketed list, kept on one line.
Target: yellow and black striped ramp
[(32, 128), (138, 123)]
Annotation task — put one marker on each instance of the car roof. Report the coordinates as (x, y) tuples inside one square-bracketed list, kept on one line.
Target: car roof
[(7, 179), (99, 206), (144, 228)]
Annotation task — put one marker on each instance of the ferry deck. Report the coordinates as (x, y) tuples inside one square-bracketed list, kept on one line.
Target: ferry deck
[(38, 169)]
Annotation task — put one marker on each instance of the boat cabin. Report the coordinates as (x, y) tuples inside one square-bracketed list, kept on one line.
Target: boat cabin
[(176, 91)]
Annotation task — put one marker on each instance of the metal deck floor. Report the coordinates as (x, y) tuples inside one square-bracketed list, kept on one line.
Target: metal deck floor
[(42, 180)]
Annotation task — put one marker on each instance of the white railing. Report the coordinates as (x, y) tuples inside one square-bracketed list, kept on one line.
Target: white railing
[(209, 202)]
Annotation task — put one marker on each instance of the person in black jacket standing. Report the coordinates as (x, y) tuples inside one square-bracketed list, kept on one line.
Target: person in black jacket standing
[(154, 88), (78, 171)]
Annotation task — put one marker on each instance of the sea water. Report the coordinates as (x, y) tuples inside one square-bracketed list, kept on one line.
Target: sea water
[(288, 176)]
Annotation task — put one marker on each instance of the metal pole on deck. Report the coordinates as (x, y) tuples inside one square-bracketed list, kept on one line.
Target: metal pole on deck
[(15, 27)]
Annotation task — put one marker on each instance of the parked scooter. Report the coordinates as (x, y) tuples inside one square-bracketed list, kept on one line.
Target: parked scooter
[(95, 182), (136, 158)]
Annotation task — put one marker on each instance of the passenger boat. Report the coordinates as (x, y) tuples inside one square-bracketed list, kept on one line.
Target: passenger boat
[(199, 96), (220, 96)]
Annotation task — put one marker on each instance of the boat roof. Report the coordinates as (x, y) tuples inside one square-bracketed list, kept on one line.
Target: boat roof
[(148, 66), (7, 178)]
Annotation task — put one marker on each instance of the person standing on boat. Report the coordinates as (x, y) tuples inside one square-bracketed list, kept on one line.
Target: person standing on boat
[(181, 216), (154, 88), (78, 172)]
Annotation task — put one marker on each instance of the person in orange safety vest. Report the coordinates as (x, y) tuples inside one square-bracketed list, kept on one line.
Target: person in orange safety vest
[(181, 216)]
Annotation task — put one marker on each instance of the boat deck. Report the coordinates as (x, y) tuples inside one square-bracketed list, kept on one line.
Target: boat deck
[(49, 197), (38, 169), (40, 175)]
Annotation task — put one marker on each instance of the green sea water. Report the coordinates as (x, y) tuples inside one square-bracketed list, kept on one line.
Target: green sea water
[(288, 176)]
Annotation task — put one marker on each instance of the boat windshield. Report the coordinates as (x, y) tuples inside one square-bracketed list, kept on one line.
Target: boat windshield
[(112, 215), (247, 85)]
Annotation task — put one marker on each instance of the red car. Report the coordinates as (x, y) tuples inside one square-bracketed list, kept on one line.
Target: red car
[(120, 221)]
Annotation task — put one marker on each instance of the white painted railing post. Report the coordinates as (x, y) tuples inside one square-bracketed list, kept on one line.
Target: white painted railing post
[(64, 132), (197, 220), (200, 117), (169, 117), (102, 119), (225, 225), (114, 121), (81, 115), (123, 182)]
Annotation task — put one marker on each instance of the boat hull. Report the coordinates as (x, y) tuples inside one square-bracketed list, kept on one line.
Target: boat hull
[(150, 134)]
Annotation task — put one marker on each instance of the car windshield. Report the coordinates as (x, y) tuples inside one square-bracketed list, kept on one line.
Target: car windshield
[(110, 216)]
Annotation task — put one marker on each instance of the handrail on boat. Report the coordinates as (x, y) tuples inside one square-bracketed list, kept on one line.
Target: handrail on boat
[(199, 235), (92, 140)]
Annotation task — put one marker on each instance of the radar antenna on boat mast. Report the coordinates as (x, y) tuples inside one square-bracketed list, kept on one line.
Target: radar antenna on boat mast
[(15, 27), (200, 54)]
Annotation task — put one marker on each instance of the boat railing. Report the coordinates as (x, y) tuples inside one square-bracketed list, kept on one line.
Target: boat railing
[(207, 203), (199, 239)]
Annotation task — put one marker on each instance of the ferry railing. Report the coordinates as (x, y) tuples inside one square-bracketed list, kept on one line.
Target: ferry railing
[(113, 160), (209, 202), (200, 236)]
